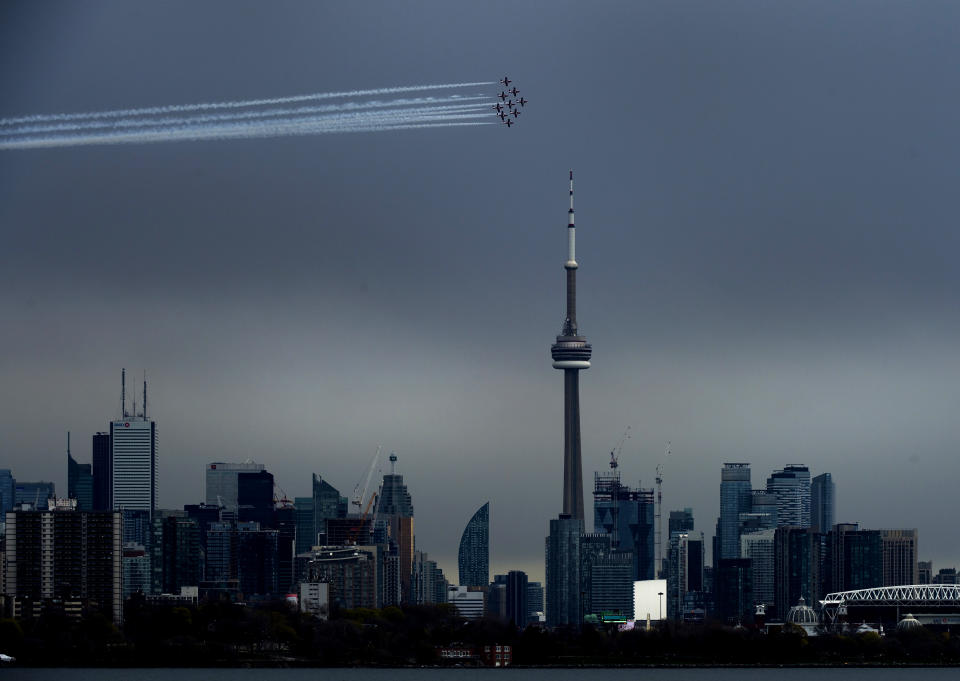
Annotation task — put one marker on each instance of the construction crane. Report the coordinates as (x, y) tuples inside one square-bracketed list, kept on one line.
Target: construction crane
[(360, 494), (659, 517), (281, 499), (355, 530), (615, 452)]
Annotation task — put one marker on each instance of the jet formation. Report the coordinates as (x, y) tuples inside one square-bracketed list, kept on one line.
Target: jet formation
[(508, 105)]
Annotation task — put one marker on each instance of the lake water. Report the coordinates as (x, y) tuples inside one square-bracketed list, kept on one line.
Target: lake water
[(320, 674)]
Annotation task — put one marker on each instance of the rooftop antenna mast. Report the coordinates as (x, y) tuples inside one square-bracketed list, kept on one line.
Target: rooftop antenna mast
[(68, 443), (144, 395), (123, 393)]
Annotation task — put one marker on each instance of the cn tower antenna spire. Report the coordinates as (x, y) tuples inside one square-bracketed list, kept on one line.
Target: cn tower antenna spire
[(571, 353)]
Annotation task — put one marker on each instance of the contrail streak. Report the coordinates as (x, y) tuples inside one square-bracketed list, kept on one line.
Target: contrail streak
[(132, 122), (340, 122), (186, 108)]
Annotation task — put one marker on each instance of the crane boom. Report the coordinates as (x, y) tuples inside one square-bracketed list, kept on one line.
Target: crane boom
[(360, 494)]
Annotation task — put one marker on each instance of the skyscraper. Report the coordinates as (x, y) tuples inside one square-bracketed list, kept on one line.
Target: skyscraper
[(517, 607), (79, 481), (571, 353), (627, 515), (102, 473), (735, 498), (133, 461), (396, 507), (823, 503), (792, 489), (899, 551), (7, 488), (474, 556), (221, 482), (563, 571), (327, 504)]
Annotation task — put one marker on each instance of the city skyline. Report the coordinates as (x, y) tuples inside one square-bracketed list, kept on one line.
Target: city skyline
[(766, 267)]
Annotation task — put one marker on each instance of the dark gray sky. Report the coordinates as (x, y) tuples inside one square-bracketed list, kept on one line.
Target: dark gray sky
[(766, 203)]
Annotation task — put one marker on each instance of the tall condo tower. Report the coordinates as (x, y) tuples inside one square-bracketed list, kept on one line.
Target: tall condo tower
[(571, 353)]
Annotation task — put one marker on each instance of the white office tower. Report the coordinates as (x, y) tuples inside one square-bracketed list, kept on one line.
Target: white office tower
[(133, 464), (133, 448), (222, 482)]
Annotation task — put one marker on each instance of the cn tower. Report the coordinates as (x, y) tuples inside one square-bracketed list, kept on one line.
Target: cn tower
[(571, 353)]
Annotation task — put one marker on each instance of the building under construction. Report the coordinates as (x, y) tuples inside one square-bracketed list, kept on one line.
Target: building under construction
[(627, 515)]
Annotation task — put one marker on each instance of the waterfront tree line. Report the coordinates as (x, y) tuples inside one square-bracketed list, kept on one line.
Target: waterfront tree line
[(222, 633)]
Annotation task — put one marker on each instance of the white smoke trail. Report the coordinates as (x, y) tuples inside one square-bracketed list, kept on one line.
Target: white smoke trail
[(209, 106), (339, 122), (133, 122)]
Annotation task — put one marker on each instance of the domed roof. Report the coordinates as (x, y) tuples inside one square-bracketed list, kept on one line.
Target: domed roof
[(801, 614), (909, 623)]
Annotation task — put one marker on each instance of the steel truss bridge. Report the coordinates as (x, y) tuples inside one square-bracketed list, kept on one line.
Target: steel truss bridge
[(916, 596)]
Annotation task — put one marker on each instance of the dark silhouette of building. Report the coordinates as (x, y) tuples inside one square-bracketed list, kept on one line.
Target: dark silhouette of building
[(327, 503), (563, 572), (823, 503), (627, 516), (8, 486), (286, 525), (177, 552), (854, 557), (733, 590), (571, 354), (79, 481), (517, 610), (306, 535), (102, 473), (797, 560), (255, 498), (474, 556)]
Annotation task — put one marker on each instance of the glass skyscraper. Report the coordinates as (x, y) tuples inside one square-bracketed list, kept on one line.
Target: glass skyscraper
[(823, 503), (735, 498), (474, 557), (563, 571)]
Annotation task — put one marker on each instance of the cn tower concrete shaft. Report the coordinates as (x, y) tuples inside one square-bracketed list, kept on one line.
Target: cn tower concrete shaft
[(571, 353)]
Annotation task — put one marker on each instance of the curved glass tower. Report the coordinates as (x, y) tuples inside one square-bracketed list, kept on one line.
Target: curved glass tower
[(474, 559)]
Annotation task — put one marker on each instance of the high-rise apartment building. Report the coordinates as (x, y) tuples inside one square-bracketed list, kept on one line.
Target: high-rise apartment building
[(899, 551), (735, 498), (854, 558), (797, 570), (758, 547), (684, 571), (791, 486), (177, 556), (823, 503), (473, 560), (65, 553)]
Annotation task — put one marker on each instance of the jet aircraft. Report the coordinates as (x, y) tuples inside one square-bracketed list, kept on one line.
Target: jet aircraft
[(502, 116), (523, 101), (505, 81), (502, 95), (515, 113), (498, 107), (508, 122), (514, 91)]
